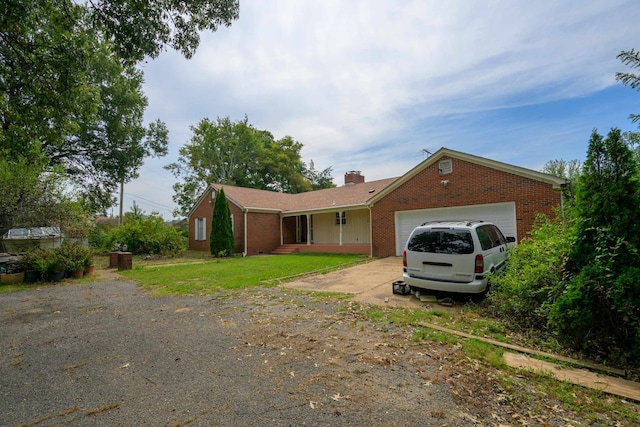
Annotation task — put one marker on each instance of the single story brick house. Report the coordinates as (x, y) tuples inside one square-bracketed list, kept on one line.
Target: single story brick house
[(375, 218)]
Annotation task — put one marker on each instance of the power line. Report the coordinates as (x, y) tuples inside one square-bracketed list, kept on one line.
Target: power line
[(150, 201)]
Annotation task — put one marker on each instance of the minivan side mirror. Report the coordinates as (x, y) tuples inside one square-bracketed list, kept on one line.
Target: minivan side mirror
[(511, 239)]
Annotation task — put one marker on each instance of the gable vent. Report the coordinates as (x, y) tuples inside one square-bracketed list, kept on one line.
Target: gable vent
[(445, 167)]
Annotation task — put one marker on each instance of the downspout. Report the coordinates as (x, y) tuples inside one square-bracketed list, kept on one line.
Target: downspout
[(246, 250), (370, 232), (562, 189)]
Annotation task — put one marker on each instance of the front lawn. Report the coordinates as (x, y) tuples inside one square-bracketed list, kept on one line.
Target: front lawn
[(234, 273)]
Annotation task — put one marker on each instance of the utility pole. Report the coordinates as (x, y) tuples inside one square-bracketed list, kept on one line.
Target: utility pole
[(121, 197)]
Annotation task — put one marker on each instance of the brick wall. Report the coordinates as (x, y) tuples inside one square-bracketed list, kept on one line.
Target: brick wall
[(264, 233), (205, 210), (238, 228), (289, 229), (469, 184)]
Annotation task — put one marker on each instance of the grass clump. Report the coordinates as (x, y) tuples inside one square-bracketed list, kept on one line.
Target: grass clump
[(486, 352), (428, 334)]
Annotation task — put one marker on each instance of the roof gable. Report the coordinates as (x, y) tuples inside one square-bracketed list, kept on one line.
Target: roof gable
[(553, 180)]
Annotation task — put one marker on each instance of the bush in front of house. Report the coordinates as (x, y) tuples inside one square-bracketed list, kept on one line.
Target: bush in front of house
[(147, 235), (98, 236), (75, 257), (599, 310), (533, 279), (579, 280)]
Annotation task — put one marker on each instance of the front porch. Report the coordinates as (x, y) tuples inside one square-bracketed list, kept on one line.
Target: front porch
[(292, 248)]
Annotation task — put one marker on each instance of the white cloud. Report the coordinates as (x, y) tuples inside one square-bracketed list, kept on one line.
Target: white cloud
[(343, 77)]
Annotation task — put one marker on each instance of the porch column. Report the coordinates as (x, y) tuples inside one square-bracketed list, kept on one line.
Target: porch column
[(340, 223), (308, 229), (281, 237)]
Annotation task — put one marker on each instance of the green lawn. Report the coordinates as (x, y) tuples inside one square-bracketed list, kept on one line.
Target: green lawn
[(234, 273)]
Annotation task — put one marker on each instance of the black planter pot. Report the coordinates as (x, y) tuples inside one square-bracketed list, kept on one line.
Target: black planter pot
[(54, 276), (32, 276)]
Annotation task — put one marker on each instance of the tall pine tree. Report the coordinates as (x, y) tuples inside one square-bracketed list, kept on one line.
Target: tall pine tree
[(221, 241), (599, 310)]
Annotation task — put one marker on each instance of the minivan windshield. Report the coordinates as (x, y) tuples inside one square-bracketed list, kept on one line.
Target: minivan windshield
[(442, 242)]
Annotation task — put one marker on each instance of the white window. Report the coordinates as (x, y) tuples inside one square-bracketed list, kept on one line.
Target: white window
[(201, 229), (341, 218)]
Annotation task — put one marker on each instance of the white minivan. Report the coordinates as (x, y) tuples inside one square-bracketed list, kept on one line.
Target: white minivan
[(454, 256)]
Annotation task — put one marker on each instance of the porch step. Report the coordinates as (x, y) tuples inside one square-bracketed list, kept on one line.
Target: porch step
[(285, 250)]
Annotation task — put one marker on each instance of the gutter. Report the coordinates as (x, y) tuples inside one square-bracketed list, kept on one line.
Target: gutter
[(246, 222), (329, 209)]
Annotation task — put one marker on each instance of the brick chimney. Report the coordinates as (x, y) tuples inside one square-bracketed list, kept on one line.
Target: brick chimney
[(353, 177)]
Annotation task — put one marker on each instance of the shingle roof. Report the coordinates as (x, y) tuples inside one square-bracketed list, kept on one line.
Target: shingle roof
[(328, 198), (360, 195)]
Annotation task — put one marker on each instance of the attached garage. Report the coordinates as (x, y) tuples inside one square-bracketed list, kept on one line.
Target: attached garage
[(452, 185), (501, 214)]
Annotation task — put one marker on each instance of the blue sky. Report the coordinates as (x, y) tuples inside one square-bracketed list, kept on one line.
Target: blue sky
[(368, 84)]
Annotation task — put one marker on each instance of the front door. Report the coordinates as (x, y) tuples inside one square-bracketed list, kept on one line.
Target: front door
[(301, 229)]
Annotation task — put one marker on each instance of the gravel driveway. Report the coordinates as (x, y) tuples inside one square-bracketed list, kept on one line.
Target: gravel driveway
[(108, 354)]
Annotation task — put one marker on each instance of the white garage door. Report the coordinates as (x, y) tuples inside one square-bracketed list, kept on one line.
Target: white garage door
[(501, 214)]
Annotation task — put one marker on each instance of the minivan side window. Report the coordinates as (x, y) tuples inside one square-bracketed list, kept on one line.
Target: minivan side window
[(501, 237), (490, 236), (442, 242), (485, 238)]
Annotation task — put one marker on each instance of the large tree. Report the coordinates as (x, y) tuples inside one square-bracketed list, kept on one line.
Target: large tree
[(632, 59), (563, 168), (146, 28), (110, 149), (599, 310), (33, 194), (318, 179), (236, 153), (69, 86)]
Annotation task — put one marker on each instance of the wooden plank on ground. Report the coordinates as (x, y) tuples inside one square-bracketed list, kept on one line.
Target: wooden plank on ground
[(583, 377), (521, 349)]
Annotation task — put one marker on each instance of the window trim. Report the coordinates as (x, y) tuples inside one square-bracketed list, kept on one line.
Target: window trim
[(200, 229)]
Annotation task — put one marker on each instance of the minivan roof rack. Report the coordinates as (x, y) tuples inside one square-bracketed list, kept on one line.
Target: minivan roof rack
[(467, 222)]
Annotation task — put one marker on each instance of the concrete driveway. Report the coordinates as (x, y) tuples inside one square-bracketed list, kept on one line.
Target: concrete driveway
[(370, 283)]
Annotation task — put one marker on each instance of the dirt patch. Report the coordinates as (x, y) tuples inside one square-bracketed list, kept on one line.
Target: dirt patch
[(107, 274), (106, 354)]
